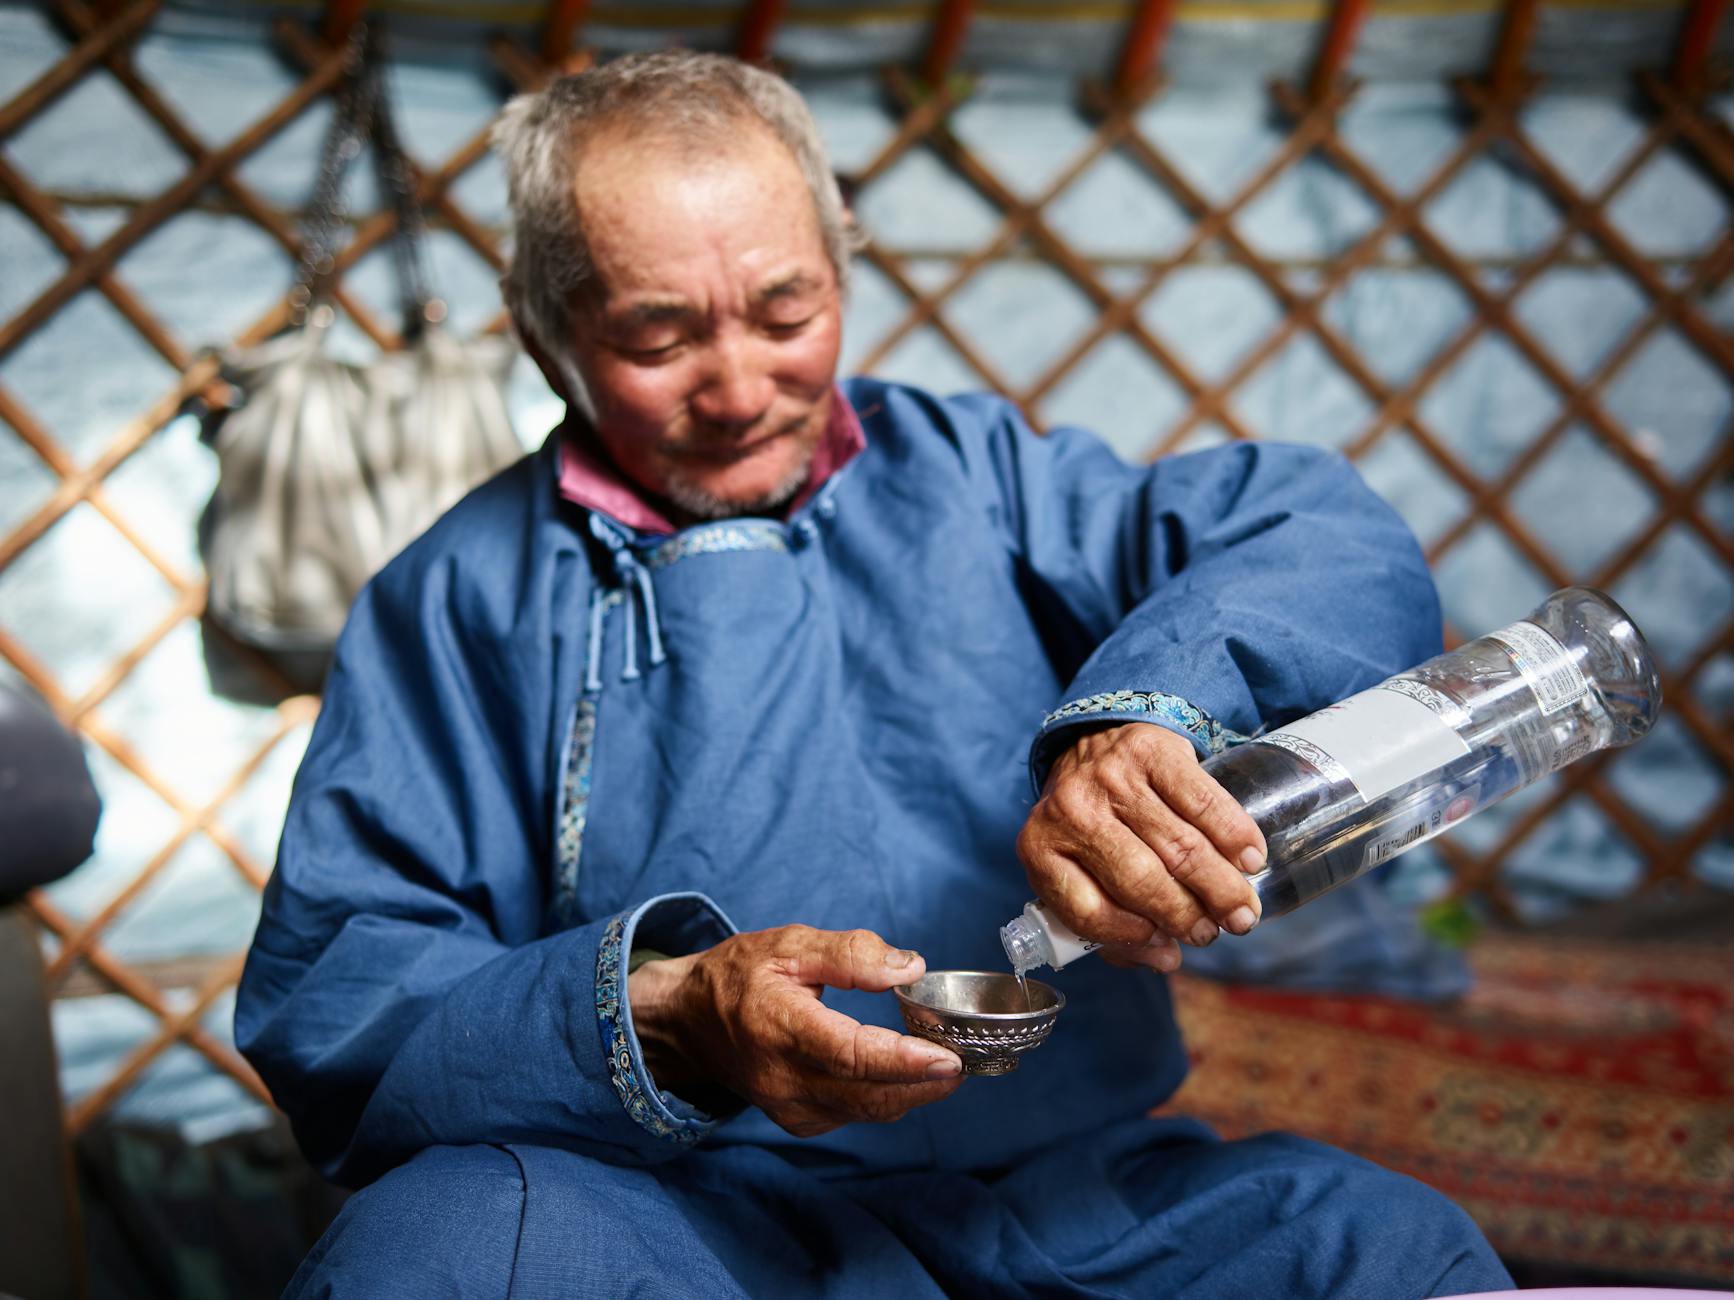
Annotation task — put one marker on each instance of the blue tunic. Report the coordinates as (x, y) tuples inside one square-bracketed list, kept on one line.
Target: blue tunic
[(549, 739)]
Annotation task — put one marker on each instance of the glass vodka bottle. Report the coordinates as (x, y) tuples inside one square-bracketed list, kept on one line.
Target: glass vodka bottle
[(1354, 785)]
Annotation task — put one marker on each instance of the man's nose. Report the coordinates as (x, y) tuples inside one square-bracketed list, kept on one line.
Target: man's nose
[(738, 386)]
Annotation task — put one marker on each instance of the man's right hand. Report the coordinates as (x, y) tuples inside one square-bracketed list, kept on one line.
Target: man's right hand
[(1133, 844), (745, 1017)]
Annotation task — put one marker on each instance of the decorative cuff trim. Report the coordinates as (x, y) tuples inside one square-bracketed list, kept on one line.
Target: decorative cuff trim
[(1171, 711), (661, 1114)]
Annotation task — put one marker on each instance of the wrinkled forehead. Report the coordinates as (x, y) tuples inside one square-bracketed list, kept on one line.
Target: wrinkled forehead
[(648, 199)]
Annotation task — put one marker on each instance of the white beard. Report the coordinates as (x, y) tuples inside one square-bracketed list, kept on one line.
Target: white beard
[(694, 500), (701, 504)]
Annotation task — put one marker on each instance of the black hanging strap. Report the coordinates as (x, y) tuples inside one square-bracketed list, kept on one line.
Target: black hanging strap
[(363, 115)]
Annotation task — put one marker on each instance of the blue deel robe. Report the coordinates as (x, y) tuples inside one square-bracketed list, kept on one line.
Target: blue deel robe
[(548, 740)]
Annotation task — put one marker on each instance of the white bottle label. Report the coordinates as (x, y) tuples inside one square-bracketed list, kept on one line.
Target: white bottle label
[(1440, 703), (1546, 665), (1379, 740)]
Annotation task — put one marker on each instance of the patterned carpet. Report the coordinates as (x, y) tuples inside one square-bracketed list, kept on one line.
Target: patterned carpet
[(1579, 1102)]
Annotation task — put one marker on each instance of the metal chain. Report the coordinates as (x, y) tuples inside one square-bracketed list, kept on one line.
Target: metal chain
[(363, 115), (326, 211), (397, 186)]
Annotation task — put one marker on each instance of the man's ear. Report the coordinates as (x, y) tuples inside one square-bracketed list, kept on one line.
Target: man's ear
[(847, 190), (561, 372), (554, 374)]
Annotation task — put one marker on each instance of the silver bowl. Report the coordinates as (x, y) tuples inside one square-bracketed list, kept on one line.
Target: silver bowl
[(980, 1015)]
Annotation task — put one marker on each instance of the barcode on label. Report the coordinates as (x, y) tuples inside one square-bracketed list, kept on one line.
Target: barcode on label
[(1386, 849), (1450, 806), (1546, 665)]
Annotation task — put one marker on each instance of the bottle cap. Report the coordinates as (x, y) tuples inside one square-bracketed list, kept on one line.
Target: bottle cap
[(1022, 944)]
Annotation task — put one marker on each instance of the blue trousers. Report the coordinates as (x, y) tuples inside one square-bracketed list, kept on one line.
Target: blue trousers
[(1145, 1208)]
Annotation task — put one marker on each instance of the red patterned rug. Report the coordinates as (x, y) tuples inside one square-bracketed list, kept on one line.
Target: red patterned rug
[(1579, 1103)]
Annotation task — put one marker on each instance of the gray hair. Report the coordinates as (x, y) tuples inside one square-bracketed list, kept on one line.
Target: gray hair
[(680, 93)]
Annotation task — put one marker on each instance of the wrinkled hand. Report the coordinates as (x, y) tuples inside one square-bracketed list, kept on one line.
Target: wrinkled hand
[(745, 1018), (1136, 846)]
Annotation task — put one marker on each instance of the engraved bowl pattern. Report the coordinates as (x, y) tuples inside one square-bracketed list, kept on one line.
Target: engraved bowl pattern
[(980, 1016)]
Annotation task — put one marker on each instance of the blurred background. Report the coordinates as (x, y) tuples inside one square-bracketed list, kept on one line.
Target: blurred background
[(1482, 248)]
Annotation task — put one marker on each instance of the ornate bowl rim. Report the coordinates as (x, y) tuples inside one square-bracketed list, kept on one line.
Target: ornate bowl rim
[(905, 999)]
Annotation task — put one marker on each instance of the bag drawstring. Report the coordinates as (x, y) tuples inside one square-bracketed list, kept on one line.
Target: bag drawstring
[(634, 579)]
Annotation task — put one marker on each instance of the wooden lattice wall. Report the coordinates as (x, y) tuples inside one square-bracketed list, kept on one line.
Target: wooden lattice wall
[(101, 36)]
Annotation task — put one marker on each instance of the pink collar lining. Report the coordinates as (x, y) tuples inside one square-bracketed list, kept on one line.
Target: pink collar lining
[(590, 480)]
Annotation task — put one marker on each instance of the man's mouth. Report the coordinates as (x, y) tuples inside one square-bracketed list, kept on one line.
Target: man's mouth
[(728, 453)]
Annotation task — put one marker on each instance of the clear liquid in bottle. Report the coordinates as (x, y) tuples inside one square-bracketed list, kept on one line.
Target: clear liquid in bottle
[(1355, 785)]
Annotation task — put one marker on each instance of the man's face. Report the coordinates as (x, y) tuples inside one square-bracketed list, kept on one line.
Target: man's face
[(708, 338)]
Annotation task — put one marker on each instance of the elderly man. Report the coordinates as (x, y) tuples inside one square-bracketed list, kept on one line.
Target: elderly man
[(648, 771)]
